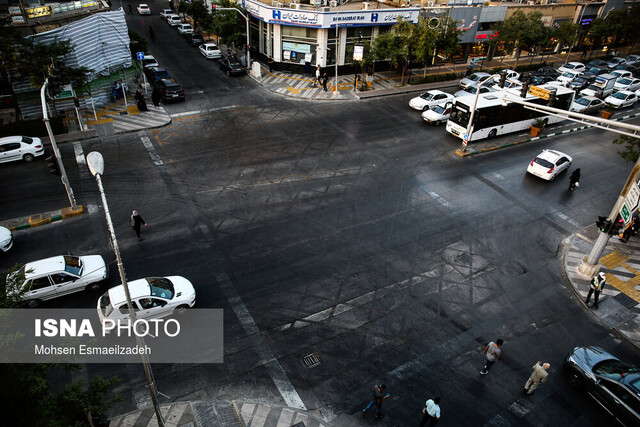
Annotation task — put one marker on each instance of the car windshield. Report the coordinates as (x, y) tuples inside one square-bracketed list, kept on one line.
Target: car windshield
[(472, 89), (474, 77), (161, 287), (460, 116), (105, 305), (620, 95), (439, 109), (235, 64), (544, 163), (580, 79), (594, 88), (427, 96), (624, 81), (73, 265), (162, 74), (614, 369), (582, 101), (196, 37), (568, 74), (570, 66)]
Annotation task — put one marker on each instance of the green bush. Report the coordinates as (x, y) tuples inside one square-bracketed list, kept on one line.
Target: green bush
[(437, 78), (33, 127)]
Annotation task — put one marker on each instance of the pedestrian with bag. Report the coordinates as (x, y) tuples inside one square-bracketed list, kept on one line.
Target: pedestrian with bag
[(538, 376), (597, 284), (379, 396), (431, 412), (136, 222), (573, 179), (493, 353)]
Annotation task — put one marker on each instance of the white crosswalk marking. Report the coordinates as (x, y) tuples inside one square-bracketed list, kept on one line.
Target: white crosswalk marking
[(150, 149)]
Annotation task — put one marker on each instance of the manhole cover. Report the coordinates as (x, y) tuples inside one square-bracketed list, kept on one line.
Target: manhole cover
[(124, 113), (311, 360)]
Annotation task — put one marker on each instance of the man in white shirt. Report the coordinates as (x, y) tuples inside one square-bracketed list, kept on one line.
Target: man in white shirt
[(431, 412)]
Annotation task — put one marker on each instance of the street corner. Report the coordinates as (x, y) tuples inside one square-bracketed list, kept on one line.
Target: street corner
[(39, 219), (261, 415)]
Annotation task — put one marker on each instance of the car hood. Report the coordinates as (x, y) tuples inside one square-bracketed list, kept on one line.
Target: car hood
[(577, 107), (5, 234), (587, 357), (613, 101), (431, 114)]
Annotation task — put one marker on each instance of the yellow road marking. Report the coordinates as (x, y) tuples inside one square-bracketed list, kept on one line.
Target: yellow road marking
[(627, 288), (614, 259)]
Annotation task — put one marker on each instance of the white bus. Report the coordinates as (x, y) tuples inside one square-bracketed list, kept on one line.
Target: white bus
[(494, 116)]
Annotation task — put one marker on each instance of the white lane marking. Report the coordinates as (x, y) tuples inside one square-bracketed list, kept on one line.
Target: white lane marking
[(566, 218), (77, 150), (441, 200), (210, 110), (277, 373), (150, 149), (500, 177)]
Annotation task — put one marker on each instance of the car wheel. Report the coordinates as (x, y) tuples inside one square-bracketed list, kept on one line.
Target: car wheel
[(492, 133), (574, 379), (28, 158), (181, 309), (229, 73), (33, 303), (92, 287), (438, 123)]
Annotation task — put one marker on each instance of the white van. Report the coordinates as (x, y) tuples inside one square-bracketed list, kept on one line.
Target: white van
[(174, 20)]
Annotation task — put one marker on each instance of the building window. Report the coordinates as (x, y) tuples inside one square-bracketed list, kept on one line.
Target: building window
[(487, 26), (298, 44)]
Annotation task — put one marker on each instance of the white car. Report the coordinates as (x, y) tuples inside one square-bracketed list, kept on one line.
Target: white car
[(438, 114), (578, 67), (430, 99), (210, 50), (57, 276), (143, 9), (165, 12), (6, 239), (614, 62), (621, 99), (510, 74), (567, 77), (632, 59), (549, 164), (587, 104), (473, 79), (509, 84), (185, 29), (152, 297), (20, 148), (627, 83), (149, 61), (471, 90), (620, 74), (174, 20)]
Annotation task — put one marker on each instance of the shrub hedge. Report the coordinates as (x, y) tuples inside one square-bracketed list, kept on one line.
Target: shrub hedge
[(33, 127)]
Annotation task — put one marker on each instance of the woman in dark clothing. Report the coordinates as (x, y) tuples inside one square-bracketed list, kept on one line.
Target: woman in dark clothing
[(136, 222), (573, 180), (155, 97)]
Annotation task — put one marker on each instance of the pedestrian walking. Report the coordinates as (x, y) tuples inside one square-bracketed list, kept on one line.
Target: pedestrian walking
[(136, 222), (538, 376), (379, 396), (573, 179), (355, 82), (631, 229), (597, 284), (317, 80), (493, 353), (155, 97), (431, 412), (270, 63), (324, 81)]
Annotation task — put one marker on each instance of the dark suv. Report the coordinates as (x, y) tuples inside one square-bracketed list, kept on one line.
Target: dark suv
[(195, 39), (170, 90), (156, 73), (613, 384)]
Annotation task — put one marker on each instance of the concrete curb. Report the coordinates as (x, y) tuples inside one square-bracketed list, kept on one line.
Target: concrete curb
[(44, 218)]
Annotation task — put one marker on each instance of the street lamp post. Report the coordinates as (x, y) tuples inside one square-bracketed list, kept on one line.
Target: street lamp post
[(473, 112), (337, 48), (95, 162), (56, 152)]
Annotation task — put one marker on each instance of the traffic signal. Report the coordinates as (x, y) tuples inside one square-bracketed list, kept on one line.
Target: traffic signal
[(213, 10), (552, 98), (52, 165), (524, 90), (603, 223), (503, 79), (616, 226)]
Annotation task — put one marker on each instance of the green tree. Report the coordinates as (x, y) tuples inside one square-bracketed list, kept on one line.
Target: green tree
[(630, 148), (229, 25), (447, 40), (522, 30), (567, 33), (77, 401), (198, 11), (597, 34)]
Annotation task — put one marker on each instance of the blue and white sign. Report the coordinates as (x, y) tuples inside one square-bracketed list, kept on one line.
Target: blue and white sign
[(140, 55)]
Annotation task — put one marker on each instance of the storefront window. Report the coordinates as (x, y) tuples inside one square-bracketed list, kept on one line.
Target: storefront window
[(298, 44)]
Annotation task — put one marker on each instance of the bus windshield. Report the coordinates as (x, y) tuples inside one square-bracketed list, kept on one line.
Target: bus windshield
[(459, 116)]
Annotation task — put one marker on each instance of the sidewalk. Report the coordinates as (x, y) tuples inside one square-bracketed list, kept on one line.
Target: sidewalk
[(118, 118), (619, 305)]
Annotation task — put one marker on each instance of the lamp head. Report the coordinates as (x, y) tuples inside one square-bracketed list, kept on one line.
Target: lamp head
[(95, 163)]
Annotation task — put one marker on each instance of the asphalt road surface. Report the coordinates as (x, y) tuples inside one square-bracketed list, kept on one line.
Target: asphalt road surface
[(349, 230)]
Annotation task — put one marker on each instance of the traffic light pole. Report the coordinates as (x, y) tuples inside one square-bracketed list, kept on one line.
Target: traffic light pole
[(589, 265), (56, 152)]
